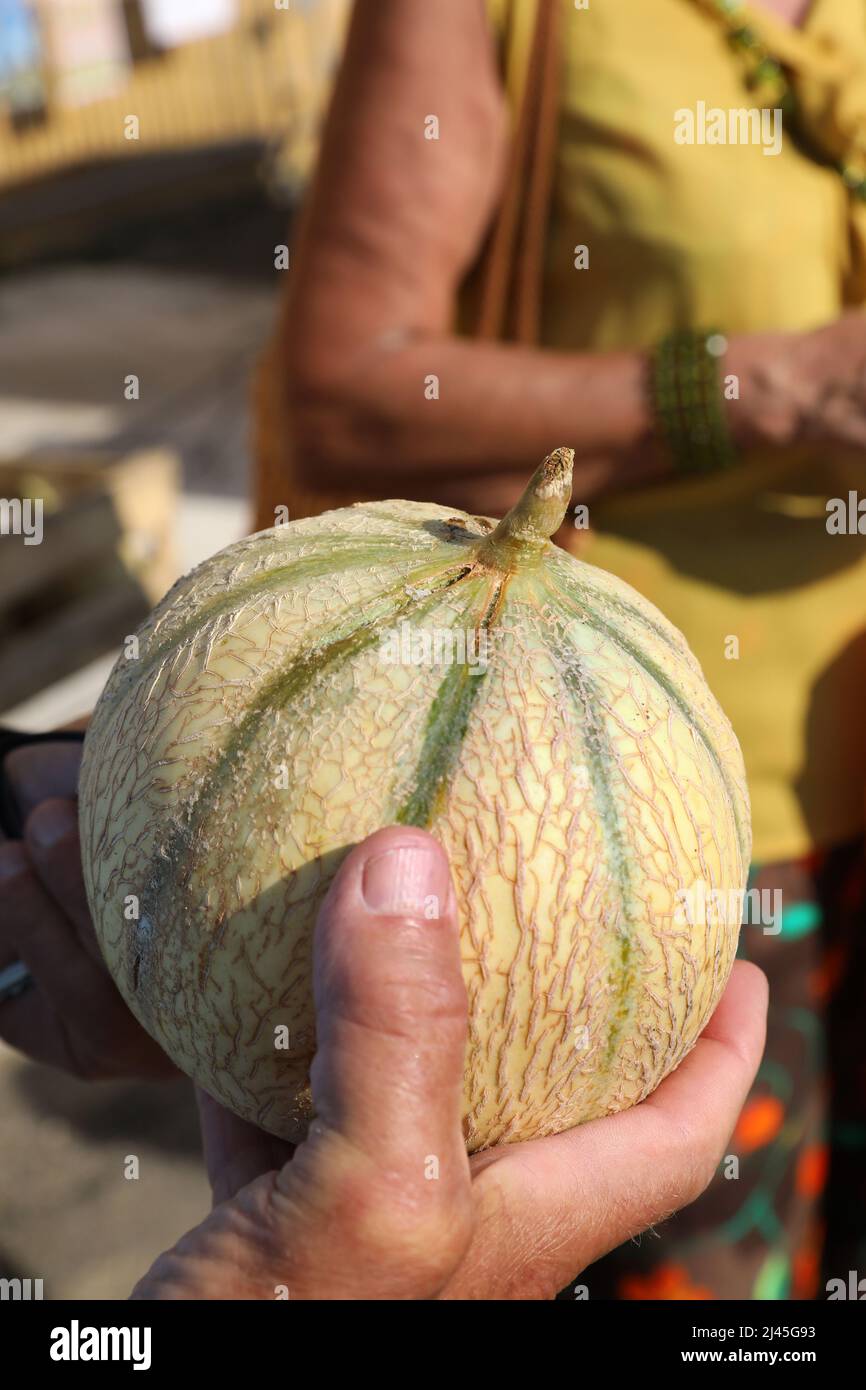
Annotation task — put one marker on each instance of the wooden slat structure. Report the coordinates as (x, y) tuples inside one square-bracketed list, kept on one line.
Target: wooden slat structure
[(267, 78), (106, 556)]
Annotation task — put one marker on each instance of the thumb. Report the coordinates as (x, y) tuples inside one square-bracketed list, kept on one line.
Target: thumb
[(385, 1158)]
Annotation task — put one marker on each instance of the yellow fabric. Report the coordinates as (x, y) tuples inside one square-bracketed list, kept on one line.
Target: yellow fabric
[(514, 22), (725, 236)]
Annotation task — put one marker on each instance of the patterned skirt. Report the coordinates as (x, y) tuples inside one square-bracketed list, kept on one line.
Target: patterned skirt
[(790, 1215)]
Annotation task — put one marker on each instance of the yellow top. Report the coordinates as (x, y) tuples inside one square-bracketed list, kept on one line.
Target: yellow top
[(724, 236)]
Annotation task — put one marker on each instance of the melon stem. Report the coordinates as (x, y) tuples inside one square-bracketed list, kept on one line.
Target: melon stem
[(539, 513)]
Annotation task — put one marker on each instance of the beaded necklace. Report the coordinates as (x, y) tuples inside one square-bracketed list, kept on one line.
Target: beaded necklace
[(766, 72)]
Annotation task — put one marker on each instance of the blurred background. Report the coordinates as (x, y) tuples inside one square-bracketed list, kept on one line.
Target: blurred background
[(151, 155)]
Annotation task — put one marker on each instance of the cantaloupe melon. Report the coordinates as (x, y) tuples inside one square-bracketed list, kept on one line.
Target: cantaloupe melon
[(398, 662)]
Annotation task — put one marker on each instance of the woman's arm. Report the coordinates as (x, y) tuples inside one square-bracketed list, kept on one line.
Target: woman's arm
[(392, 224)]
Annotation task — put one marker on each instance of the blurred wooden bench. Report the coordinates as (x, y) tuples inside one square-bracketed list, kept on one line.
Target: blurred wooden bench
[(106, 556)]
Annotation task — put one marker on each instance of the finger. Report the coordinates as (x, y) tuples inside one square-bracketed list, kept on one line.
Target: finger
[(30, 1025), (235, 1151), (52, 839), (385, 1166), (548, 1208), (68, 982), (27, 1021), (14, 862), (37, 771)]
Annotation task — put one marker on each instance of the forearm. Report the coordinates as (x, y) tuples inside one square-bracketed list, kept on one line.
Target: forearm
[(446, 406), (378, 387), (480, 406)]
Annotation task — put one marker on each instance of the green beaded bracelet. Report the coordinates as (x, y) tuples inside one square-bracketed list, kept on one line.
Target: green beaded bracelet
[(689, 403)]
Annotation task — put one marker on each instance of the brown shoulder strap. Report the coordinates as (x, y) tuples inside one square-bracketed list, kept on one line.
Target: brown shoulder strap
[(513, 260)]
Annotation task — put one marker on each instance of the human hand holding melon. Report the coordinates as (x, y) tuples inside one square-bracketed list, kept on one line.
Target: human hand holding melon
[(380, 1201), (73, 1016)]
